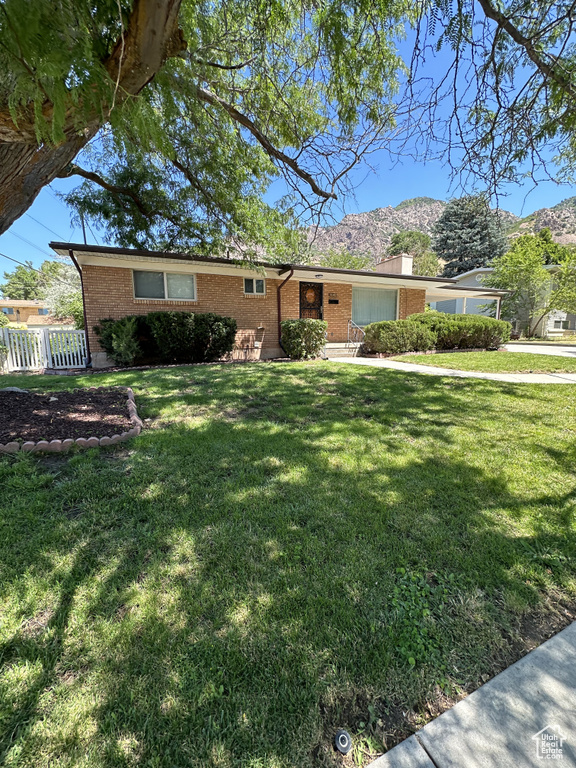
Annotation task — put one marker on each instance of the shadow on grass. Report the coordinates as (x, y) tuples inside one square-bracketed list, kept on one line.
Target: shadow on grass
[(231, 578)]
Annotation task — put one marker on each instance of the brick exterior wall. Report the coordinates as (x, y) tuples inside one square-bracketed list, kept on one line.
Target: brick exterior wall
[(109, 292), (410, 301)]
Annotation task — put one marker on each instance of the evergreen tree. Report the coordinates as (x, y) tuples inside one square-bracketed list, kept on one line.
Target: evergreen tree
[(468, 235), (23, 283)]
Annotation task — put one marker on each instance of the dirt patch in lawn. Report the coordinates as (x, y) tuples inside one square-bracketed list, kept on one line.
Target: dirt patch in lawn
[(60, 415)]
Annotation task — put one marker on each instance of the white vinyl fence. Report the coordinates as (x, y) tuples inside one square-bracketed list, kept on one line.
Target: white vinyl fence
[(31, 350)]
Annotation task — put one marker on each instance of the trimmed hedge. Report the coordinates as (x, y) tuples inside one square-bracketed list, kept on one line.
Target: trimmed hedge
[(303, 339), (167, 337), (395, 336), (464, 331)]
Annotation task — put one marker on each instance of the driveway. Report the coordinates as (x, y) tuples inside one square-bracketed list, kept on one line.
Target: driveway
[(511, 378), (568, 350)]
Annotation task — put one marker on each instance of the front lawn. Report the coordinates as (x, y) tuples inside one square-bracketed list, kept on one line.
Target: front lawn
[(495, 362), (286, 550)]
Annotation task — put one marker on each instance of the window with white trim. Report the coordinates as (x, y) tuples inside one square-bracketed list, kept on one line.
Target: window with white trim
[(164, 285), (254, 286)]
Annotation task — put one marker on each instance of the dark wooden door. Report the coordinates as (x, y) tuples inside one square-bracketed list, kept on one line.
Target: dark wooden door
[(311, 300)]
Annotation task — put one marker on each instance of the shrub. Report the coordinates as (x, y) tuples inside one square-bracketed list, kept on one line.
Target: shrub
[(167, 337), (3, 319), (118, 339), (214, 336), (173, 333), (183, 337), (302, 339), (464, 331), (396, 336)]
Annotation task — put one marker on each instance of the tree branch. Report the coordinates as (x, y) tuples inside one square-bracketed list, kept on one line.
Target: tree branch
[(211, 98), (117, 191), (151, 36), (76, 170), (527, 43)]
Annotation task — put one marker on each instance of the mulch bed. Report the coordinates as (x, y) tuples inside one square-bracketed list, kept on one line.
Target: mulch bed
[(81, 413)]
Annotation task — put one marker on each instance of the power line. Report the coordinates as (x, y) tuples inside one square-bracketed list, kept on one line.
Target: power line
[(92, 233), (29, 266), (29, 242), (44, 225)]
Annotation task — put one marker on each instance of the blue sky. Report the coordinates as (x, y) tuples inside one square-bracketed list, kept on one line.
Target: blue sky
[(49, 218)]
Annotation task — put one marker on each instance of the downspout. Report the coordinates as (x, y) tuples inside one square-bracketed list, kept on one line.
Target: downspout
[(88, 353), (283, 283)]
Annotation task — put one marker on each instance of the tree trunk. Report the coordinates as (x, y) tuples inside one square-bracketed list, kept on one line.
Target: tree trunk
[(25, 169), (151, 36)]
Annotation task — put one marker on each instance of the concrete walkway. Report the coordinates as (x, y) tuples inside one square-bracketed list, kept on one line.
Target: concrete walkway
[(520, 718), (527, 378), (562, 350)]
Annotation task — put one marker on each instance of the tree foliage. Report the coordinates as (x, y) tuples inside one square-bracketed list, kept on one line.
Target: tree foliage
[(343, 259), (468, 235), (410, 241), (417, 244), (236, 94), (22, 283), (56, 283), (535, 287), (426, 265)]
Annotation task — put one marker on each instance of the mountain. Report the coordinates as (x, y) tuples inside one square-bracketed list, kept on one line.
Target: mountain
[(560, 219), (370, 233)]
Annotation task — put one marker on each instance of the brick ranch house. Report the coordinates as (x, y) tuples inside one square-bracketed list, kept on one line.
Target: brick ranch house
[(120, 281)]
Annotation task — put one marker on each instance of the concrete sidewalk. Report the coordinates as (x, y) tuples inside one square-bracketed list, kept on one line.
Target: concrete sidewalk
[(560, 350), (526, 378), (520, 718)]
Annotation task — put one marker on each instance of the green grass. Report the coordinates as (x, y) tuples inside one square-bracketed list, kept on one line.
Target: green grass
[(495, 362), (288, 549)]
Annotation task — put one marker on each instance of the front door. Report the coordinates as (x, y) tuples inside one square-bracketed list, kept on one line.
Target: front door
[(311, 300)]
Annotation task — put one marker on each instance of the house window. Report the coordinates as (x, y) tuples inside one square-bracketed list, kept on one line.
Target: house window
[(8, 310), (42, 311), (254, 286), (164, 285), (370, 305)]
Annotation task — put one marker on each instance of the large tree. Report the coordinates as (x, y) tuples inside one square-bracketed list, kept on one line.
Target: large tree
[(540, 276), (65, 68), (27, 282), (417, 244), (196, 107), (468, 235)]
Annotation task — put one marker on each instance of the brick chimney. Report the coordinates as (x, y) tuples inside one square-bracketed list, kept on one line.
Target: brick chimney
[(396, 265)]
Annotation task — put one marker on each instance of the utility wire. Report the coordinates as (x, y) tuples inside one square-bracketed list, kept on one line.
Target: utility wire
[(44, 225), (92, 233), (29, 242), (29, 266)]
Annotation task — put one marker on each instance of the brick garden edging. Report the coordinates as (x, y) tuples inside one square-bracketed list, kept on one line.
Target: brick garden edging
[(56, 446)]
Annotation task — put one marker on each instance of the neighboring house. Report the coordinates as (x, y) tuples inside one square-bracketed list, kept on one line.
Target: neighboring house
[(33, 314), (555, 324), (118, 282)]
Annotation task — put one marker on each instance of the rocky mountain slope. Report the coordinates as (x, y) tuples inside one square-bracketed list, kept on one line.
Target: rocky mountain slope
[(370, 233)]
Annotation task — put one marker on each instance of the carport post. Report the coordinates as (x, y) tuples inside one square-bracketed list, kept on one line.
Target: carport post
[(498, 305)]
